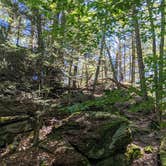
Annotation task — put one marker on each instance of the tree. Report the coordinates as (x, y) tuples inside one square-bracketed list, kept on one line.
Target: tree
[(112, 66), (161, 58), (133, 60), (152, 28), (99, 62), (139, 55)]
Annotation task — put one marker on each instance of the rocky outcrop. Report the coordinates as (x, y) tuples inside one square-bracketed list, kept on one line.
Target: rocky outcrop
[(84, 139), (10, 128), (96, 134)]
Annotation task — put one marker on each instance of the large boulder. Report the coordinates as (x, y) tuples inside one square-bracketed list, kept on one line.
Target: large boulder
[(83, 139), (96, 135)]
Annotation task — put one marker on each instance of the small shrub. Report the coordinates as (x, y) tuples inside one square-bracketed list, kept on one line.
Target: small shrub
[(133, 152), (148, 149)]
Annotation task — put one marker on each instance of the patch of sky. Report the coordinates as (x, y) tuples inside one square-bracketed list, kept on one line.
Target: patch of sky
[(47, 27), (4, 23), (15, 1), (27, 30), (21, 6)]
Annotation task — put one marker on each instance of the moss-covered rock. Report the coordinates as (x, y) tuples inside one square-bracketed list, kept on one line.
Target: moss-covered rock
[(117, 160), (97, 135), (68, 156), (10, 129), (82, 140)]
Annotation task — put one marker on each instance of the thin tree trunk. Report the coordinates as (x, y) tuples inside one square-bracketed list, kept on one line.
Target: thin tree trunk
[(102, 73), (149, 5), (124, 61), (18, 31), (99, 62), (70, 74), (39, 32), (112, 67), (87, 76), (120, 63), (105, 69), (117, 66), (36, 130), (75, 75), (82, 74), (161, 58), (32, 34), (140, 56), (133, 60)]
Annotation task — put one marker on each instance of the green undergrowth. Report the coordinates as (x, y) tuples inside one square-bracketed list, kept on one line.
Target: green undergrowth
[(148, 149), (108, 103), (104, 103), (144, 106), (133, 152)]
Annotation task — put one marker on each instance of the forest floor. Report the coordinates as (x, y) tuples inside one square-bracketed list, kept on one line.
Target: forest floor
[(145, 137), (144, 134)]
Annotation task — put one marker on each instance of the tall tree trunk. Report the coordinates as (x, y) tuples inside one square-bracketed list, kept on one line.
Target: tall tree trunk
[(120, 62), (133, 60), (161, 58), (140, 56), (124, 60), (75, 74), (70, 74), (87, 76), (99, 62), (112, 67), (102, 72), (82, 75), (18, 31), (117, 66), (105, 69), (39, 31), (150, 5), (32, 34)]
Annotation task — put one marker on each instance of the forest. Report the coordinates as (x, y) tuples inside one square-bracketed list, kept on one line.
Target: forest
[(82, 83)]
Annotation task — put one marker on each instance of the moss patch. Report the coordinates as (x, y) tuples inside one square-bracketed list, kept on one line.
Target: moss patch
[(148, 149), (133, 152)]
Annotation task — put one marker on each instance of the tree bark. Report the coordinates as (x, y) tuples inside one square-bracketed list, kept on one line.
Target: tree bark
[(99, 62), (161, 58), (112, 67), (39, 31), (117, 66), (133, 60), (32, 34), (70, 74), (150, 5), (75, 74), (18, 31), (124, 60), (140, 56), (120, 62)]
